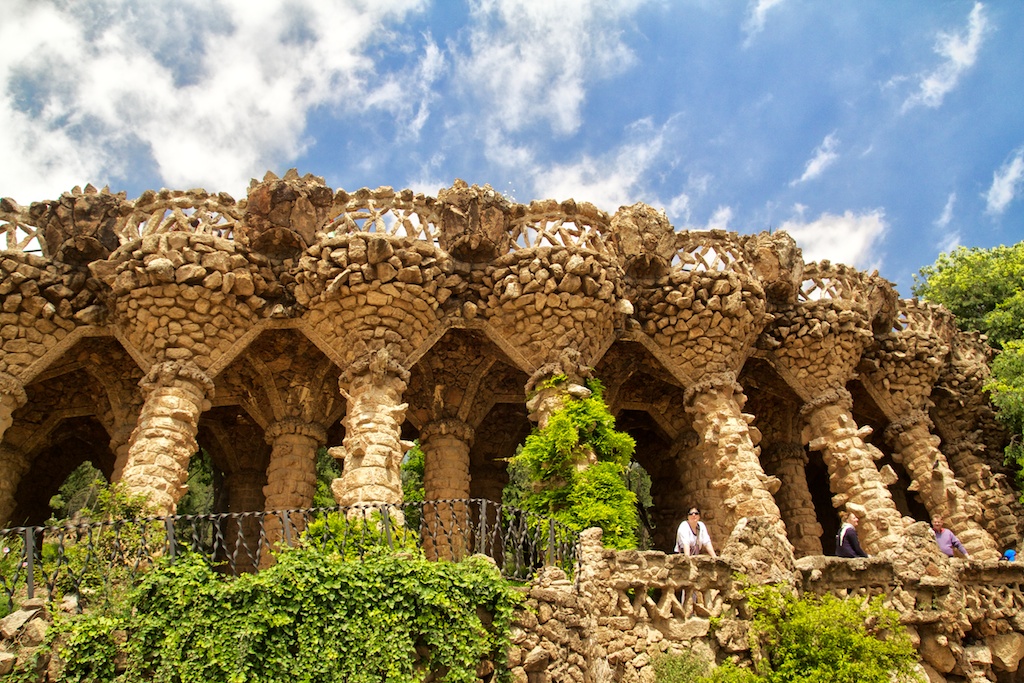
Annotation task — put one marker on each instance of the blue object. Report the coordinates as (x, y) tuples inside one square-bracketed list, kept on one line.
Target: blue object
[(1010, 555)]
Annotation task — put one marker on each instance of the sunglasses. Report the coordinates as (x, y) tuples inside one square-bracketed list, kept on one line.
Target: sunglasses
[(694, 513)]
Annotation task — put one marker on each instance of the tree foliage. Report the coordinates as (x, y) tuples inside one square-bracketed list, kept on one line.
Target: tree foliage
[(984, 288), (574, 470)]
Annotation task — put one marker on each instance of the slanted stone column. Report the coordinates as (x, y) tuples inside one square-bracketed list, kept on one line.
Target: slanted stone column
[(917, 449), (732, 467), (12, 397), (788, 462), (1000, 508), (446, 445), (372, 449), (853, 476), (177, 392), (13, 466), (119, 445)]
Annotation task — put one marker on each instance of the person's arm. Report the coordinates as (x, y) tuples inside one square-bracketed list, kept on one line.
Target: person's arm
[(958, 545), (851, 535), (711, 549), (705, 539)]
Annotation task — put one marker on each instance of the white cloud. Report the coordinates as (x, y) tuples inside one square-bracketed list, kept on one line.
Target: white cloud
[(529, 61), (212, 92), (720, 218), (756, 16), (607, 182), (959, 52), (824, 156), (848, 239), (947, 211), (1007, 181)]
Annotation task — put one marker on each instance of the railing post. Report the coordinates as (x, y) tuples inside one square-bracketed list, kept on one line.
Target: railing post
[(385, 518), (551, 543), (172, 544), (482, 542), (30, 560), (286, 517)]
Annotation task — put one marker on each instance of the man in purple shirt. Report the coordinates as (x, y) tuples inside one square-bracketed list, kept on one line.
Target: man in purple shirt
[(946, 539)]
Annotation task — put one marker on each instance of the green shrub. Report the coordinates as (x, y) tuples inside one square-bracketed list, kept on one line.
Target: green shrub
[(681, 668), (574, 470), (821, 640), (313, 616)]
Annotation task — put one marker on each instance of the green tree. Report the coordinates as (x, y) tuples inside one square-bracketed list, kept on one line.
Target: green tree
[(984, 288), (327, 470), (574, 470)]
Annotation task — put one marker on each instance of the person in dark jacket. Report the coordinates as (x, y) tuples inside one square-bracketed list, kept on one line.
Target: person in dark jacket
[(847, 543)]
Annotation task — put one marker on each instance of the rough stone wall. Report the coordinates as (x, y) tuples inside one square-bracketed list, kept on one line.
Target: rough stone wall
[(303, 317), (626, 608)]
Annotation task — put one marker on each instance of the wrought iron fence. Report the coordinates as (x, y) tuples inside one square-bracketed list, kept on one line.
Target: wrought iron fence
[(92, 558)]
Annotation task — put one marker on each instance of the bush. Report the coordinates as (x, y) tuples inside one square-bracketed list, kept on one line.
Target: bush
[(822, 640), (313, 616), (574, 470), (681, 668)]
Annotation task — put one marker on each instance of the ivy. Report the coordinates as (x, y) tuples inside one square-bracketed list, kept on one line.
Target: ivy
[(574, 471), (313, 616)]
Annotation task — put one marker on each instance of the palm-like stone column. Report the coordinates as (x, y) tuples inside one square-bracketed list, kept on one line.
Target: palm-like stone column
[(46, 298), (959, 401), (909, 360), (372, 448), (446, 444), (374, 292), (181, 300), (817, 345), (703, 314)]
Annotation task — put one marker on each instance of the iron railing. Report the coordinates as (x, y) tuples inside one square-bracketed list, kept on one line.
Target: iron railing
[(91, 558)]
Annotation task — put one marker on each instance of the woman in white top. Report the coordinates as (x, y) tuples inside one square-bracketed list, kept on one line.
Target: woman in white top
[(692, 536)]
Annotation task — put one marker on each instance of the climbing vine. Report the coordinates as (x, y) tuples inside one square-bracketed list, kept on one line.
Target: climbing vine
[(313, 616), (574, 468)]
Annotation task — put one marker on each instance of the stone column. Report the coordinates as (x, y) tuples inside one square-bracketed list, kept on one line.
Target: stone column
[(12, 397), (291, 474), (242, 537), (164, 441), (446, 445), (788, 462), (917, 449), (735, 477), (372, 449), (1000, 508), (13, 466), (119, 445), (853, 476)]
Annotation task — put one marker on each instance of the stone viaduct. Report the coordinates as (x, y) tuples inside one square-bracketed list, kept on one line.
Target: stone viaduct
[(135, 331)]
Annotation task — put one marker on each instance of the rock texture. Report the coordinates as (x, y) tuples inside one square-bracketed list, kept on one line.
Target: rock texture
[(360, 320), (770, 392)]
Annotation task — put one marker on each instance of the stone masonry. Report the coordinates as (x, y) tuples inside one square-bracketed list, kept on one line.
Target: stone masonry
[(757, 386)]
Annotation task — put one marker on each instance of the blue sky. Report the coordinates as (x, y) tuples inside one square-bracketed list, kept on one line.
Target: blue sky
[(878, 133)]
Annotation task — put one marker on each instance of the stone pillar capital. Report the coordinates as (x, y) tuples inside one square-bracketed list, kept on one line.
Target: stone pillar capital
[(712, 382), (837, 396), (177, 373), (567, 362), (291, 425), (448, 426), (911, 420), (778, 453), (12, 386), (379, 366)]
